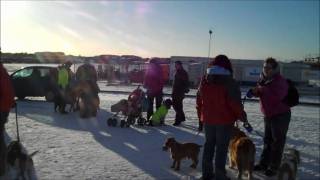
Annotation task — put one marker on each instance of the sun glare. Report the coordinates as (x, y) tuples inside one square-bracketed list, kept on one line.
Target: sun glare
[(67, 47), (11, 9)]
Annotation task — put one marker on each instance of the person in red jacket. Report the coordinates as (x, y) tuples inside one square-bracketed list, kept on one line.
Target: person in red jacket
[(219, 106), (153, 83), (6, 103)]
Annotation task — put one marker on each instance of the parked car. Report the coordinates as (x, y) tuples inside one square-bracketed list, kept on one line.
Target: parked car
[(35, 81)]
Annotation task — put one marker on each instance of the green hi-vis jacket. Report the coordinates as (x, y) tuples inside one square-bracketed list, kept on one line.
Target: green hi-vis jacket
[(159, 115), (63, 77)]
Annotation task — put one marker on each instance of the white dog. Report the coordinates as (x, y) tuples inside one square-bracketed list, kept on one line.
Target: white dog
[(289, 164)]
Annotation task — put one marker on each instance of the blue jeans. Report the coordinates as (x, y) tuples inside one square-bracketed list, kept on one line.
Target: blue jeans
[(217, 141)]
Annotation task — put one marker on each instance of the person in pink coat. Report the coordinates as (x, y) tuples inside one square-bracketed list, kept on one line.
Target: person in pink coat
[(271, 89), (153, 83)]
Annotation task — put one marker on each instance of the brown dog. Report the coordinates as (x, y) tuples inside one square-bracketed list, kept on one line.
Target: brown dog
[(289, 164), (181, 151), (20, 164), (88, 105), (241, 153)]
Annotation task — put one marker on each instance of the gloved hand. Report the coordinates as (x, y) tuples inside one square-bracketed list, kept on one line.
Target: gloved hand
[(249, 93), (247, 126)]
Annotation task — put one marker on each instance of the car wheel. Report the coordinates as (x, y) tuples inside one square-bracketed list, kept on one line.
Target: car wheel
[(21, 97), (49, 96)]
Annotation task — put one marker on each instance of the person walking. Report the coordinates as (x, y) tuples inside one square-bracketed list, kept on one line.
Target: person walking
[(219, 106), (153, 83), (6, 103), (179, 88), (271, 90)]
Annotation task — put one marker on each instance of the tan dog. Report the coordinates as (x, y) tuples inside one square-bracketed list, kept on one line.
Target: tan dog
[(181, 151), (241, 153), (20, 164), (289, 164)]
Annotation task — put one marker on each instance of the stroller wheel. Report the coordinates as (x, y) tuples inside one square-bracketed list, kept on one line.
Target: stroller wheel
[(114, 122), (109, 121), (141, 121), (122, 123), (131, 120)]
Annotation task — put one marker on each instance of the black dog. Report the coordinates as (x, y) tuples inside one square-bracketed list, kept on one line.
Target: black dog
[(62, 98), (18, 159)]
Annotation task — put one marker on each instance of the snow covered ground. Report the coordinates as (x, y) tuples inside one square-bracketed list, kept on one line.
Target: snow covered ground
[(74, 148)]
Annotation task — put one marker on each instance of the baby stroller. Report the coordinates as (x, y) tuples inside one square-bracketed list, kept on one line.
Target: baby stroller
[(130, 108)]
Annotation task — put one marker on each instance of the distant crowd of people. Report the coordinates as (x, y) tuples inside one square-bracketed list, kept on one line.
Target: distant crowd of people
[(218, 105)]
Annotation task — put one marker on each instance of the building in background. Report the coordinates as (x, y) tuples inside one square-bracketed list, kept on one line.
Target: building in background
[(50, 57), (246, 71)]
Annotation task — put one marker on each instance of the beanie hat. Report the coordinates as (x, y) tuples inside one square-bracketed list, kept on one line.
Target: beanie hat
[(222, 61)]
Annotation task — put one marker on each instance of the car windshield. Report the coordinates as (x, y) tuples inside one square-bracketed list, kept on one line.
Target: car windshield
[(23, 73)]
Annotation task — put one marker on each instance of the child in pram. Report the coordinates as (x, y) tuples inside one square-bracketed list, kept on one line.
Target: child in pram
[(131, 108)]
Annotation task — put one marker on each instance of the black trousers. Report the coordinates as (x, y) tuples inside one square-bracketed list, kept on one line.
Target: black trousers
[(177, 103), (150, 99), (215, 147), (275, 132)]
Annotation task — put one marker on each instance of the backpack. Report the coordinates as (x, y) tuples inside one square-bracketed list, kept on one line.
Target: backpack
[(292, 97)]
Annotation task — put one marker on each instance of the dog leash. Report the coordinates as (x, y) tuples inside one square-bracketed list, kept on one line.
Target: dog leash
[(246, 125), (195, 135), (17, 125), (257, 133)]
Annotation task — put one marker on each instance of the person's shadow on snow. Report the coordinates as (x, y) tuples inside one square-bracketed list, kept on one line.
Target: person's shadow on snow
[(140, 145)]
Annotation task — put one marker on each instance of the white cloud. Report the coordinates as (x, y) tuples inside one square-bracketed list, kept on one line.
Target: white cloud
[(69, 31)]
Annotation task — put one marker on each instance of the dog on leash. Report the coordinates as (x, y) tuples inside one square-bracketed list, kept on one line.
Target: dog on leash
[(241, 153), (20, 164), (181, 151), (289, 164)]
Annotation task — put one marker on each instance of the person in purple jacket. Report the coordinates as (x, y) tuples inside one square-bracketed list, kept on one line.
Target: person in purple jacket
[(271, 90), (153, 83)]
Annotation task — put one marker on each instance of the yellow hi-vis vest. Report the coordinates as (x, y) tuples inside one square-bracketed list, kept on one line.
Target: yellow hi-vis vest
[(63, 77)]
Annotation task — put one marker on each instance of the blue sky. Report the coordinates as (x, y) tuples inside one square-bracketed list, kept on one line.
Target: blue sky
[(287, 30)]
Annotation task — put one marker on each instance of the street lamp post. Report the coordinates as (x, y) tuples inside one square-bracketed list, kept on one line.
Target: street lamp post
[(210, 32)]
